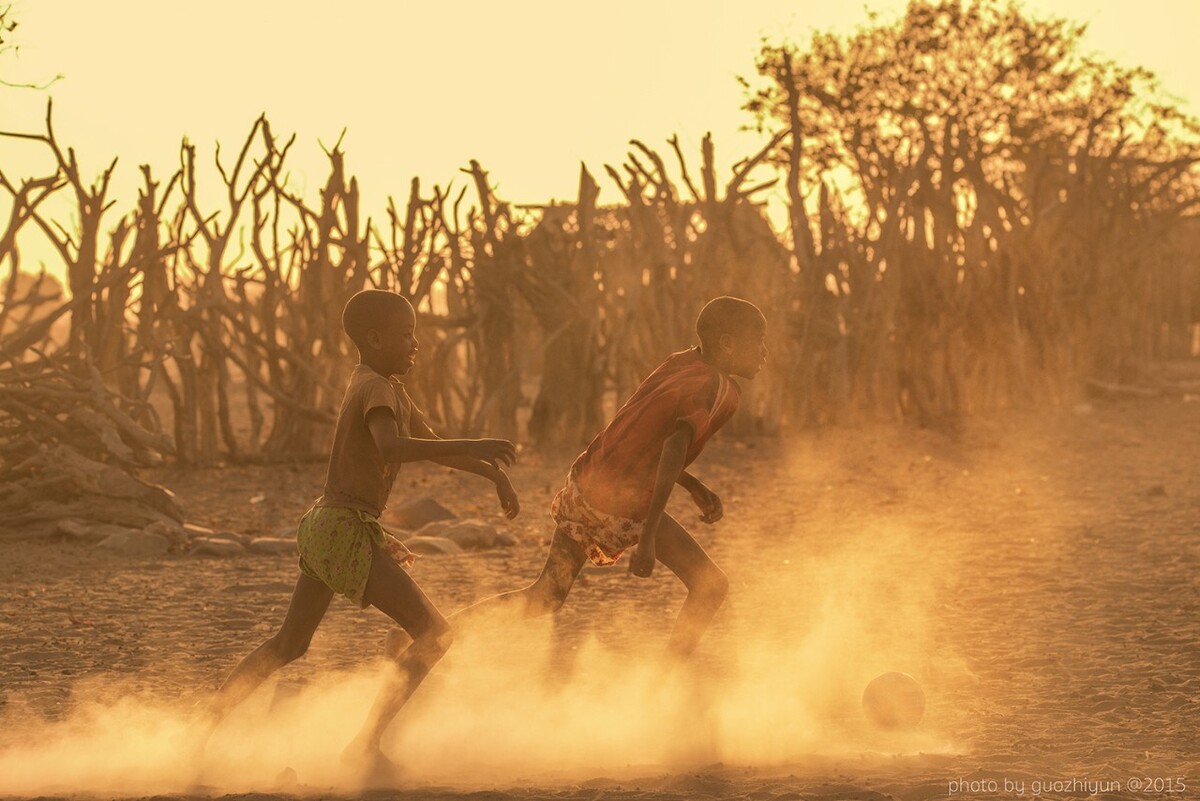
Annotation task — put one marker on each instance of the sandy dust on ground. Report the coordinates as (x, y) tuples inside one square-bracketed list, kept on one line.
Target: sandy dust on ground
[(1036, 573)]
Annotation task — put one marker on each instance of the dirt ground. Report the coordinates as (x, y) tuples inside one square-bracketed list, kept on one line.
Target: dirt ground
[(1036, 573)]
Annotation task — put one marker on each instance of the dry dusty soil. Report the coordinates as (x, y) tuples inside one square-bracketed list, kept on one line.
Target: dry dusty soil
[(1036, 573)]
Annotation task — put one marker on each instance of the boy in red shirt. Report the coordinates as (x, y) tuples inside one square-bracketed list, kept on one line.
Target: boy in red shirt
[(616, 492)]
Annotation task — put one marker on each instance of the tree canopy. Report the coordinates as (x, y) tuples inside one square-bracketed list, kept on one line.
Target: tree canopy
[(965, 181)]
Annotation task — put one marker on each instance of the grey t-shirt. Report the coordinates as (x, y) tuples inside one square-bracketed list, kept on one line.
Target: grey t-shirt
[(358, 476)]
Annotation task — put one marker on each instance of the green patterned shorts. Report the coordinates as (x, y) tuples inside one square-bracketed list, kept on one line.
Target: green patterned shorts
[(335, 548)]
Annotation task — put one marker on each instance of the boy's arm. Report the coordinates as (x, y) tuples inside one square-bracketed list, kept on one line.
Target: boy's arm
[(509, 501), (711, 508), (464, 463), (397, 449), (419, 427), (670, 466)]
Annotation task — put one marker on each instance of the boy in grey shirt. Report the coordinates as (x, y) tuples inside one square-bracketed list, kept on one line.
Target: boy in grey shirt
[(343, 548)]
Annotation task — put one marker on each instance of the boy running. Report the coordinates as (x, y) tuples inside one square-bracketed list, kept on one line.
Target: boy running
[(616, 491), (343, 548)]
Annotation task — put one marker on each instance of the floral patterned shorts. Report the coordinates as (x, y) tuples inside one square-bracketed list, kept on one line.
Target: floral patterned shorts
[(335, 548), (602, 536)]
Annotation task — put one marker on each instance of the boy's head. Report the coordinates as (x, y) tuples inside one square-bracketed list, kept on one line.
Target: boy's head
[(382, 326), (732, 335)]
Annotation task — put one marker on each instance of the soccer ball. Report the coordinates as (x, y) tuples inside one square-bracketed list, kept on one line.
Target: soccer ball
[(894, 701)]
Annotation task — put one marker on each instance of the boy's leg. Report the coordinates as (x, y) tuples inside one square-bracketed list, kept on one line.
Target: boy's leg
[(543, 596), (548, 593), (310, 599), (392, 591), (706, 583)]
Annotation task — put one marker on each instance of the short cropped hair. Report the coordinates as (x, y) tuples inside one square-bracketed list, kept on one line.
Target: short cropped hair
[(369, 309), (726, 315)]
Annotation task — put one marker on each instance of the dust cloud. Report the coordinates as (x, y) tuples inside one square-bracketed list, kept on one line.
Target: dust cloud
[(779, 678)]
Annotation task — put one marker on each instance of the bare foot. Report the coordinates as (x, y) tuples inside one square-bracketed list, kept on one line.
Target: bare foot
[(373, 768), (202, 720), (191, 745)]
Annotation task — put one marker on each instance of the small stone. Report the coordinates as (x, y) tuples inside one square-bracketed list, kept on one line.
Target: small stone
[(90, 531), (419, 512), (135, 543), (1156, 491), (192, 530), (433, 546), (272, 545), (435, 529), (232, 536), (471, 535), (212, 546), (171, 532)]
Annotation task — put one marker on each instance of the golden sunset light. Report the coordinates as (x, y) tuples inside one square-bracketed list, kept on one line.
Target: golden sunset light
[(625, 401)]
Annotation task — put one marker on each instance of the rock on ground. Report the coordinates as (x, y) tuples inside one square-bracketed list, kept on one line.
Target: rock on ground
[(472, 534), (192, 530), (419, 512), (214, 546), (433, 546), (89, 530), (172, 533), (272, 545), (135, 543)]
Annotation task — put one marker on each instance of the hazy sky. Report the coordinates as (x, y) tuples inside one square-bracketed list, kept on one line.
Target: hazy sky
[(530, 89)]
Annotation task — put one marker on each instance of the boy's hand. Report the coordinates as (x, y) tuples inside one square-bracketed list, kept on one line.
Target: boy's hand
[(396, 549), (641, 564), (493, 451), (507, 495), (711, 509)]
